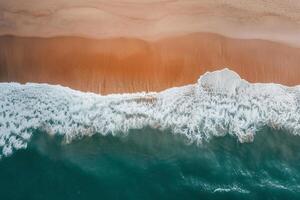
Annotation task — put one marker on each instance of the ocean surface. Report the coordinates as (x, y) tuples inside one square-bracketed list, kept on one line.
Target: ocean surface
[(221, 138)]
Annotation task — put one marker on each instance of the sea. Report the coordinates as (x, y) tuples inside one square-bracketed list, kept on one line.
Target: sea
[(220, 138)]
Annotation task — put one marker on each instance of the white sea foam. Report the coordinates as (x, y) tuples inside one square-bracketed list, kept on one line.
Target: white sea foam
[(220, 103)]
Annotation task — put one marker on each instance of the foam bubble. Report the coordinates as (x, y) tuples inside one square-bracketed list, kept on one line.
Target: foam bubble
[(220, 103)]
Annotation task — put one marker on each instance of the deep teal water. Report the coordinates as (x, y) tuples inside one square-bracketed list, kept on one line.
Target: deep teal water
[(149, 164)]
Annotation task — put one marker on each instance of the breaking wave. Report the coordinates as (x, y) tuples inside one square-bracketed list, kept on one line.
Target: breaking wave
[(219, 104)]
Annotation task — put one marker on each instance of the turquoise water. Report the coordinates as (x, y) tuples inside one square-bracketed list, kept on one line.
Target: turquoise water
[(150, 164), (210, 140)]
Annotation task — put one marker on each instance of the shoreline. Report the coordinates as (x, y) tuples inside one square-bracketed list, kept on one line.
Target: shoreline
[(126, 65)]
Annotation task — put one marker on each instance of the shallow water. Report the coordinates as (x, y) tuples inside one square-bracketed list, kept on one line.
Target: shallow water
[(150, 164)]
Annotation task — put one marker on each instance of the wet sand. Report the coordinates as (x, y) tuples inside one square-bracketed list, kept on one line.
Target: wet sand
[(118, 65)]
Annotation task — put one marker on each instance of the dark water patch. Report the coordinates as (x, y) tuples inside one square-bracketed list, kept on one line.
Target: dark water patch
[(149, 164), (30, 175)]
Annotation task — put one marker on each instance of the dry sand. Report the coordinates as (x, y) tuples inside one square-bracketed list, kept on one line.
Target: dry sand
[(275, 20)]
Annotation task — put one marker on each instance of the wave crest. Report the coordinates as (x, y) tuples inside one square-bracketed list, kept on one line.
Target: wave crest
[(220, 103)]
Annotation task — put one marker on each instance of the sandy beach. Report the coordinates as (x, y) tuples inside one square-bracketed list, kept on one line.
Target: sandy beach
[(130, 46)]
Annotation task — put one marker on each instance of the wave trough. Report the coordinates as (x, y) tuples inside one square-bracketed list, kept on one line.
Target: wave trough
[(220, 103)]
